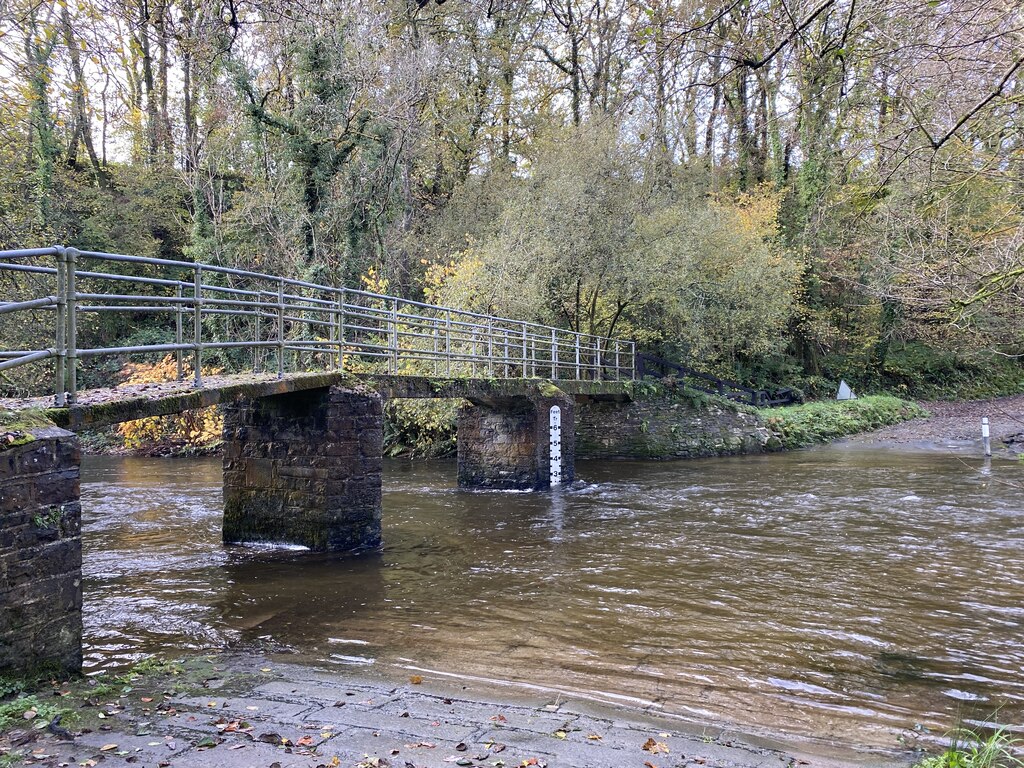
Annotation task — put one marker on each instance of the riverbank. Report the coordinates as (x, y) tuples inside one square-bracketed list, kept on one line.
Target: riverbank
[(239, 710), (956, 426)]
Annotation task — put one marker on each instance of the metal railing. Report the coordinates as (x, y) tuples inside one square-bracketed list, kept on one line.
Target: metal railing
[(285, 324)]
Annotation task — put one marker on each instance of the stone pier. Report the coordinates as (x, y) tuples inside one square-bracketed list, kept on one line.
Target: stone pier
[(305, 468), (503, 441), (40, 548)]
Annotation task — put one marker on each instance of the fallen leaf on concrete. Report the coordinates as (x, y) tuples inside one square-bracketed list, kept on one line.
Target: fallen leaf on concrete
[(594, 736), (461, 747), (108, 747), (415, 679), (305, 741), (649, 765), (421, 744), (655, 747)]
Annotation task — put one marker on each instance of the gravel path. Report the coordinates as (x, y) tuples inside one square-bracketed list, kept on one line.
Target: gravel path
[(958, 425)]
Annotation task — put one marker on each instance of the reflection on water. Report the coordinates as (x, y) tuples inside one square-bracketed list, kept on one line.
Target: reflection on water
[(841, 592)]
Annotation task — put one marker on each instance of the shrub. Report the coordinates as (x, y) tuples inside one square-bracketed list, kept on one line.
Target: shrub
[(820, 422)]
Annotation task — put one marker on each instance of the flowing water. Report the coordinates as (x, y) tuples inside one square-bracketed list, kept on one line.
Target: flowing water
[(844, 592)]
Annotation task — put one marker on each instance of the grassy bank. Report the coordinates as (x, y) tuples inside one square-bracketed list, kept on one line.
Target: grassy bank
[(821, 422), (974, 749)]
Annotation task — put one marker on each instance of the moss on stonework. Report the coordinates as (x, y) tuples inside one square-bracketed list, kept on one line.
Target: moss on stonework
[(548, 389), (16, 427)]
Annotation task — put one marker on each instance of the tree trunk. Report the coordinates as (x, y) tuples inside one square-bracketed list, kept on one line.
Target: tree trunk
[(79, 105)]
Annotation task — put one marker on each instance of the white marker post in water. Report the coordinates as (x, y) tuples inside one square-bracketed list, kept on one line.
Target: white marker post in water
[(986, 439)]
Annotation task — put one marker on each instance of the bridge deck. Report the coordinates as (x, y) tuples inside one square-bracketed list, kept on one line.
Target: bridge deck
[(107, 406)]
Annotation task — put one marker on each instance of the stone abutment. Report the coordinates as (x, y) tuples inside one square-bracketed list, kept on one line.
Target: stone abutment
[(40, 550), (503, 443), (304, 468)]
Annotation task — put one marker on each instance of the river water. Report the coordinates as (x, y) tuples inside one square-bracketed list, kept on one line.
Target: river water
[(844, 593)]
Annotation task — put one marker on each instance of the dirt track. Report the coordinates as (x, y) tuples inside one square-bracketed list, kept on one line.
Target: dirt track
[(960, 422)]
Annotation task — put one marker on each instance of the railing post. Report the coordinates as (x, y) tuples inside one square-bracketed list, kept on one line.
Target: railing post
[(394, 336), (490, 349), (524, 349), (504, 348), (618, 371), (433, 332), (60, 374), (577, 357), (178, 331), (554, 355), (448, 343), (332, 333), (197, 326), (72, 337), (341, 330), (280, 328)]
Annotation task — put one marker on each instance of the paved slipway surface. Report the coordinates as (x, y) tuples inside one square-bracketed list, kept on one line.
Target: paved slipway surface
[(957, 426), (241, 711)]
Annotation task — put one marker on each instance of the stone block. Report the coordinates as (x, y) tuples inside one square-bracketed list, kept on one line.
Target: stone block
[(665, 428), (312, 462), (504, 443), (40, 553)]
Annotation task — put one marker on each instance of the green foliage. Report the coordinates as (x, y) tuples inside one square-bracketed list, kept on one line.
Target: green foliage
[(820, 422), (13, 712), (419, 427), (935, 374), (715, 261), (972, 749), (48, 519), (799, 226)]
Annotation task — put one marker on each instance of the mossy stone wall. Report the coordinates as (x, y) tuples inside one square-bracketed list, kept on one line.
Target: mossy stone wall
[(667, 426)]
